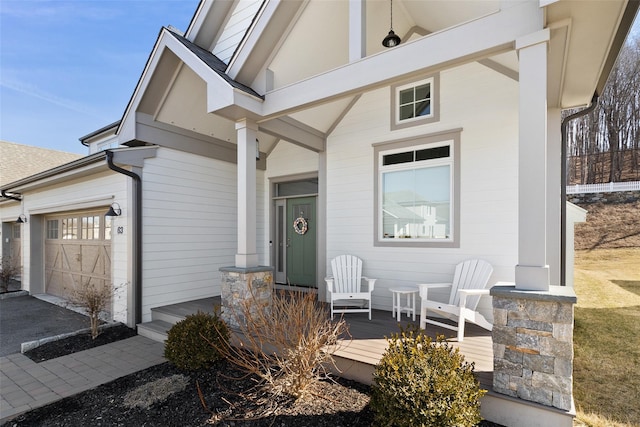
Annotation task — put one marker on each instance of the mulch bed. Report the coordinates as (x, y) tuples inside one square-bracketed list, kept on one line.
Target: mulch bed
[(79, 342), (164, 395)]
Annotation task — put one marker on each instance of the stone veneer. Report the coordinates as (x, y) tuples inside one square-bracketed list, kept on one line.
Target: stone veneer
[(243, 288), (533, 344)]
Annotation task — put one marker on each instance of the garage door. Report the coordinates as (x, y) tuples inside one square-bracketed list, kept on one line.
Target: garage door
[(77, 251), (14, 248)]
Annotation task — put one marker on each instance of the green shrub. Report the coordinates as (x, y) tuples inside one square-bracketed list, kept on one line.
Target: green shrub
[(423, 383), (189, 343)]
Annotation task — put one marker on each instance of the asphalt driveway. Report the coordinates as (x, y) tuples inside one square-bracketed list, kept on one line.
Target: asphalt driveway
[(27, 318)]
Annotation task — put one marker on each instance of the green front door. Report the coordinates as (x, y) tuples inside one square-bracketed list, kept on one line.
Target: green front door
[(301, 241)]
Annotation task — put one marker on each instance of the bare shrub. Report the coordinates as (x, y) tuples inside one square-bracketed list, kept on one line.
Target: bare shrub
[(9, 270), (94, 300), (289, 345)]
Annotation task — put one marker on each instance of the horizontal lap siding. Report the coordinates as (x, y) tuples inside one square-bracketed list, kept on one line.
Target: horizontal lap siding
[(235, 29), (484, 104), (189, 222)]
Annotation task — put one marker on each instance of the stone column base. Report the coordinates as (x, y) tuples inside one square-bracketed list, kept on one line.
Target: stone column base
[(533, 344), (244, 289)]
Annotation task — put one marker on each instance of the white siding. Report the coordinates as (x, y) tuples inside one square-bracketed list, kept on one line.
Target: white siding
[(288, 159), (235, 29), (485, 105), (189, 223)]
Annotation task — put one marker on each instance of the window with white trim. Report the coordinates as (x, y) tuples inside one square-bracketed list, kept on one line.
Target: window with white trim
[(415, 103), (417, 192)]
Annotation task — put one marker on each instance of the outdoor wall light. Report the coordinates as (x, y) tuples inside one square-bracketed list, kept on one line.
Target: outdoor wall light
[(22, 219), (392, 38), (114, 210)]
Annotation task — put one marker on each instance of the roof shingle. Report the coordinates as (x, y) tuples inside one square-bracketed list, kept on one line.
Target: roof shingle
[(19, 161)]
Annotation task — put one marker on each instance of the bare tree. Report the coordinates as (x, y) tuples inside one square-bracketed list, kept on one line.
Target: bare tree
[(604, 145)]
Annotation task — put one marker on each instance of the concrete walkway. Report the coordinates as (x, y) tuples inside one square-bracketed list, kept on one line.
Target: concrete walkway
[(26, 385)]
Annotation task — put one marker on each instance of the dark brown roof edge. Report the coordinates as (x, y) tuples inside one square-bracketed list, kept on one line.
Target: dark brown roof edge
[(93, 158)]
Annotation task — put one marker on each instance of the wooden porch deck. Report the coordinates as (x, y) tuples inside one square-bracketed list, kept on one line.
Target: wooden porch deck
[(358, 357), (369, 343)]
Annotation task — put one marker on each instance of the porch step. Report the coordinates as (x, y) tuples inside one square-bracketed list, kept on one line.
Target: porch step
[(156, 330), (163, 318)]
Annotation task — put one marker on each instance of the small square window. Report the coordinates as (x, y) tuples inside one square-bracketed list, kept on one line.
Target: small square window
[(415, 103)]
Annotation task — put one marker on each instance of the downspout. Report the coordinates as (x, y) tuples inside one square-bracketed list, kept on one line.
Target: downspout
[(563, 183), (137, 235), (10, 196)]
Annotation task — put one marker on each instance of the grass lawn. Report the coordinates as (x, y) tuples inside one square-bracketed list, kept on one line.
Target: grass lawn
[(607, 337)]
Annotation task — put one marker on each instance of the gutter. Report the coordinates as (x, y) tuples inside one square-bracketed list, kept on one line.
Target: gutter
[(563, 184), (83, 139), (58, 170), (137, 236), (10, 196)]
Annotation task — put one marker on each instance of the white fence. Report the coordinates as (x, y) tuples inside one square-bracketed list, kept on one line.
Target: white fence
[(604, 188)]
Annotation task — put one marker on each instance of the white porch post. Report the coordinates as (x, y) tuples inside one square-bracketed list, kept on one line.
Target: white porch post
[(357, 30), (532, 271), (247, 255)]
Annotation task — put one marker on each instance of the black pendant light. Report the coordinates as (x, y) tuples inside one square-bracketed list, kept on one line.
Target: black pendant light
[(392, 38), (114, 210)]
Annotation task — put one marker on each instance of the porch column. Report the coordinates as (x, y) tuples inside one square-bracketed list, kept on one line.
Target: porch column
[(247, 255), (532, 271), (357, 30)]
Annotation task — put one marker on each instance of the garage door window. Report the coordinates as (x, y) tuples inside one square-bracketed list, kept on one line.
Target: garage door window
[(90, 227), (52, 229), (107, 230), (70, 228)]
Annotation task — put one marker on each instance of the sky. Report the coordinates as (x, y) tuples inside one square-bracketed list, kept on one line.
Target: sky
[(68, 68)]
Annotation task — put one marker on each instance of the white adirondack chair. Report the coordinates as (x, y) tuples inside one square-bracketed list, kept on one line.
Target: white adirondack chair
[(345, 286), (468, 286)]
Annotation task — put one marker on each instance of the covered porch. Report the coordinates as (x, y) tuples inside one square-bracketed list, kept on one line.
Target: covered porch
[(357, 359)]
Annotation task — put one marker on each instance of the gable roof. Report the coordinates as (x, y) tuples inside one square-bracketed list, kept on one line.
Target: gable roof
[(20, 161), (215, 64), (222, 91)]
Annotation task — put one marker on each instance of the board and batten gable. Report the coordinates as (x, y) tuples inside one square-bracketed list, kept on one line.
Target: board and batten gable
[(190, 226), (483, 105)]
